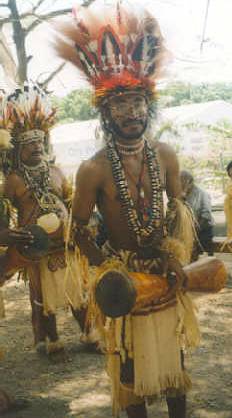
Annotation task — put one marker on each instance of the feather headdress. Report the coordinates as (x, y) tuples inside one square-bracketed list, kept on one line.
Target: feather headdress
[(116, 49), (30, 112), (5, 124)]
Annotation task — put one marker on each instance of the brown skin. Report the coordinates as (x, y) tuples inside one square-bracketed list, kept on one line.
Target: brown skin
[(94, 180), (32, 153), (12, 237), (15, 236), (95, 186), (28, 212), (128, 113), (23, 199)]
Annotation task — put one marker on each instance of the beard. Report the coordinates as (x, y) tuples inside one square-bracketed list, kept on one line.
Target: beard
[(116, 129)]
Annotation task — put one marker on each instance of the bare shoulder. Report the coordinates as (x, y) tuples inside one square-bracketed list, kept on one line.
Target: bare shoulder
[(57, 170), (14, 185), (14, 180), (167, 154), (171, 166), (165, 150), (93, 169)]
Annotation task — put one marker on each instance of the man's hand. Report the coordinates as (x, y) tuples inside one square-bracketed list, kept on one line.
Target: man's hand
[(170, 267), (15, 236), (175, 273), (87, 246)]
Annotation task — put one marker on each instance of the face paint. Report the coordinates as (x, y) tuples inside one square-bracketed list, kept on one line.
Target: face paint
[(32, 153), (129, 115)]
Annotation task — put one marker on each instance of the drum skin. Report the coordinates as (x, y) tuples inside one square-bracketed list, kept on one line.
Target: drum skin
[(115, 294)]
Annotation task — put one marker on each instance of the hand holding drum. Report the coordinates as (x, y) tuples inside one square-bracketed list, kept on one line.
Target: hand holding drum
[(37, 247), (30, 244)]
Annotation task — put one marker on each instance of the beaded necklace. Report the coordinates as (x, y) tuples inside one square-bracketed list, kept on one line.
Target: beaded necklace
[(37, 179), (130, 149), (142, 202), (152, 232)]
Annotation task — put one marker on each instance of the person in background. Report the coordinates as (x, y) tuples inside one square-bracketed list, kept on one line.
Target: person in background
[(200, 202), (228, 203)]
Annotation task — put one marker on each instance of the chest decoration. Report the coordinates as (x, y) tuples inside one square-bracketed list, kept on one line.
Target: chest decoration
[(37, 179), (146, 222)]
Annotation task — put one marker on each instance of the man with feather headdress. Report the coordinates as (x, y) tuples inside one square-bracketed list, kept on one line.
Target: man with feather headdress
[(38, 190), (8, 237), (120, 53)]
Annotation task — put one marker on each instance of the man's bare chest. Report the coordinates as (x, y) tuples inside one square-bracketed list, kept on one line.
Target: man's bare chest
[(137, 185), (28, 193)]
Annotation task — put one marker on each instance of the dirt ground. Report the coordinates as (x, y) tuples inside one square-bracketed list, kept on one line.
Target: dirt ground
[(77, 386)]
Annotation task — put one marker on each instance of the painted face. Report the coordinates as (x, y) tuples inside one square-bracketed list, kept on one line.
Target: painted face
[(32, 153), (129, 115)]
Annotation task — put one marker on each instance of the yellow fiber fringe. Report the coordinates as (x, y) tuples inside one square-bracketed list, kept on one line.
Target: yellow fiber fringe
[(113, 370), (77, 273), (153, 341), (177, 248), (188, 328), (2, 314), (228, 210), (176, 327), (122, 395), (4, 139), (76, 278), (2, 308), (53, 288), (184, 230)]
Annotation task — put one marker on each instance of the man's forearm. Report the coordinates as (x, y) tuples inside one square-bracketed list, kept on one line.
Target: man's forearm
[(87, 246)]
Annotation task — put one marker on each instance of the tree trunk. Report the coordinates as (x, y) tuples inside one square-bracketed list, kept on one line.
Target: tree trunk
[(6, 59), (19, 40)]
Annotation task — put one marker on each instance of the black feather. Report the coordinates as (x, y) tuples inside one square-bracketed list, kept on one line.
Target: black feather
[(86, 62), (109, 36), (138, 51)]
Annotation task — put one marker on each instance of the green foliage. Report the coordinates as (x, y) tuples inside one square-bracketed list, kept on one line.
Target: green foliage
[(77, 105), (208, 171), (211, 171), (178, 93), (167, 127)]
